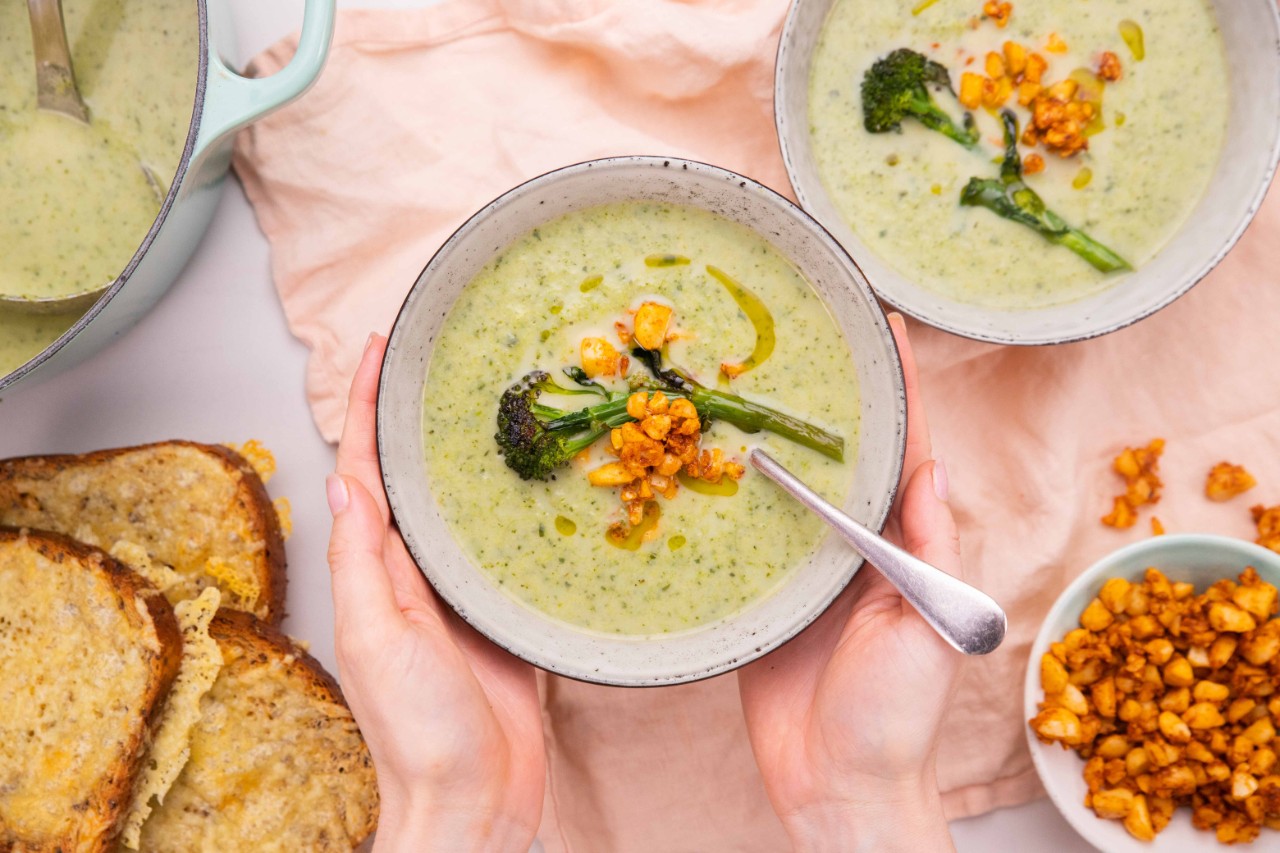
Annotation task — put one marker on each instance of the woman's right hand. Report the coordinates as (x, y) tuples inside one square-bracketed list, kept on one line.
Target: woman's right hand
[(844, 718)]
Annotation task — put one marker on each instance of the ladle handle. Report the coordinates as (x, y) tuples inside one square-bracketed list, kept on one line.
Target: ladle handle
[(55, 79), (965, 617)]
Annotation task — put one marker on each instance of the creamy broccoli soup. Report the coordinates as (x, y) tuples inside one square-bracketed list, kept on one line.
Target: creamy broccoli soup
[(1159, 113), (597, 275), (76, 200)]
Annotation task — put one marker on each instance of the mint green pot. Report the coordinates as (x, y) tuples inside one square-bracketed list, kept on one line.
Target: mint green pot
[(224, 103)]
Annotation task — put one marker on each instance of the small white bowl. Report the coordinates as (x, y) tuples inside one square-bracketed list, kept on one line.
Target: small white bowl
[(1251, 32), (610, 658), (1198, 558)]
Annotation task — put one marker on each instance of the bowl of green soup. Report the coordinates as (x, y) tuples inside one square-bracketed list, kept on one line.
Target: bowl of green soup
[(569, 395), (1031, 172), (99, 217)]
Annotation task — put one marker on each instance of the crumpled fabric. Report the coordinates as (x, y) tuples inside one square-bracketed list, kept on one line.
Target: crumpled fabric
[(421, 117)]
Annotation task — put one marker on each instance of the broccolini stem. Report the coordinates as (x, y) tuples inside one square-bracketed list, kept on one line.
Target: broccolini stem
[(610, 414), (1092, 251), (753, 417), (935, 118), (1009, 197)]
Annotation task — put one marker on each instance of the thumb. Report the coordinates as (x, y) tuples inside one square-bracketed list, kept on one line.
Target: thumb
[(363, 596), (928, 527)]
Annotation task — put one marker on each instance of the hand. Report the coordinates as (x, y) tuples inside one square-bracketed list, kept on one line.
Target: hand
[(453, 722), (844, 719)]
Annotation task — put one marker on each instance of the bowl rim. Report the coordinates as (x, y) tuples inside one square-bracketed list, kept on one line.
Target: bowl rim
[(1076, 814), (781, 95), (695, 672), (166, 206)]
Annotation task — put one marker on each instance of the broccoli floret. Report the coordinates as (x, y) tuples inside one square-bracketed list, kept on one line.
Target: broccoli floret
[(897, 87), (1009, 196), (528, 445)]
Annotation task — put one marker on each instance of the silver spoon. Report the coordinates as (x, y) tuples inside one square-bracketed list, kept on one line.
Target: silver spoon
[(55, 79), (963, 616), (56, 91)]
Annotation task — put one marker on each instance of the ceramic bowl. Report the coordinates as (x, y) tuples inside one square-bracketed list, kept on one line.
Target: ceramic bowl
[(558, 646), (1199, 559), (1251, 32)]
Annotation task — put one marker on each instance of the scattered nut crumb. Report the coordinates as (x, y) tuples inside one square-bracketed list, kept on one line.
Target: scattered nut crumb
[(1109, 66), (998, 12), (1225, 481), (1139, 468), (1268, 521)]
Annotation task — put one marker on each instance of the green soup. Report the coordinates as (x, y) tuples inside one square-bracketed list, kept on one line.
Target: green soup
[(1165, 123), (76, 201), (544, 542)]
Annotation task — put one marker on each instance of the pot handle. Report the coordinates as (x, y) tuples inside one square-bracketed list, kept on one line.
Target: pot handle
[(232, 101)]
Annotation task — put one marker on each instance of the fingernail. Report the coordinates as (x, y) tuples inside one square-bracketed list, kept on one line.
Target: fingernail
[(335, 489), (940, 484), (369, 342)]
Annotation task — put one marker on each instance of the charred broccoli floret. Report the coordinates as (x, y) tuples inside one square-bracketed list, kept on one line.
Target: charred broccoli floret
[(530, 445), (896, 87)]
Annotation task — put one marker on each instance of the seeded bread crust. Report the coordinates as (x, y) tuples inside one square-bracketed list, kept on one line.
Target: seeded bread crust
[(98, 816), (332, 805), (27, 493)]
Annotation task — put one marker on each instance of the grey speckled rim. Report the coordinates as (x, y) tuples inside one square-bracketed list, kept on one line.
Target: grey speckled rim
[(193, 132), (596, 656), (793, 141)]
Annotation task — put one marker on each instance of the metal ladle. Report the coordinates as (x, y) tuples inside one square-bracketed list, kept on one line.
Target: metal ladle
[(965, 617), (56, 92), (55, 78)]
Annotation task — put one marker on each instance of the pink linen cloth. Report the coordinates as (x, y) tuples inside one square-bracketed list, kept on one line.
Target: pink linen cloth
[(423, 116)]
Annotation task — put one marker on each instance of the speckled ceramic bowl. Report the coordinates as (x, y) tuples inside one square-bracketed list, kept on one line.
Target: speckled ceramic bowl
[(1251, 31), (1200, 559), (558, 646)]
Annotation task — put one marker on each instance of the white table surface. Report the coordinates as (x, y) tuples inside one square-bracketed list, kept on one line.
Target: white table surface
[(215, 362)]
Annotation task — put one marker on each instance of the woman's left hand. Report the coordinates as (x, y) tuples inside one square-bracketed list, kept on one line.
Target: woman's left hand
[(453, 722)]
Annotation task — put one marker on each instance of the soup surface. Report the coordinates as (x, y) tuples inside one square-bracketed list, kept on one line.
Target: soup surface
[(1165, 122), (545, 542), (76, 201)]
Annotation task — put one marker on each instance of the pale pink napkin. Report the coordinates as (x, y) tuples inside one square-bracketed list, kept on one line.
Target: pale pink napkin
[(422, 117)]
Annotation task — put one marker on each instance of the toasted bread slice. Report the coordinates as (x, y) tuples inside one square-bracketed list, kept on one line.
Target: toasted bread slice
[(88, 651), (277, 762), (199, 509)]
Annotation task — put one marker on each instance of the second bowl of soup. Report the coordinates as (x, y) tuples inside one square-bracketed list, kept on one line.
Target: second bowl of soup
[(1144, 136), (569, 396)]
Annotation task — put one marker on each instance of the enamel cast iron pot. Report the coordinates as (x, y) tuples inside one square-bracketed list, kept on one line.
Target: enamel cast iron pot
[(224, 102)]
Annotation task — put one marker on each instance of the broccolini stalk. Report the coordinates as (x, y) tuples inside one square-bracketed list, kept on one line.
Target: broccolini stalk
[(1009, 196), (746, 415), (535, 439)]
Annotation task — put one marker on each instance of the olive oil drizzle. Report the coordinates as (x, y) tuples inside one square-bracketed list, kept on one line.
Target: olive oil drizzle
[(761, 320)]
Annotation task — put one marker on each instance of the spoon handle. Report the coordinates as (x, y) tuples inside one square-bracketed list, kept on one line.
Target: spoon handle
[(965, 617), (55, 81)]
